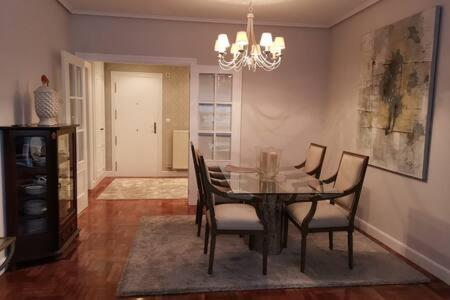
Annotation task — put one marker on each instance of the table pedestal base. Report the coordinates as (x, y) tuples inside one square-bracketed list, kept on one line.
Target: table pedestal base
[(271, 208)]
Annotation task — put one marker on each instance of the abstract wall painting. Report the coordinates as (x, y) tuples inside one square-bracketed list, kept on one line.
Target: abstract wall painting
[(396, 93)]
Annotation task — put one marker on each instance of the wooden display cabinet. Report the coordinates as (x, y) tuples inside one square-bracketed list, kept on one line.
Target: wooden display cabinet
[(41, 194)]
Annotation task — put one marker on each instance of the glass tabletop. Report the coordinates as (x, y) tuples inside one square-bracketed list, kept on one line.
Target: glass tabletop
[(289, 181)]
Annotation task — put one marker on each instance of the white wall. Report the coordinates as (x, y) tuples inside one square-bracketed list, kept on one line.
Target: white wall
[(410, 216), (32, 33), (280, 108)]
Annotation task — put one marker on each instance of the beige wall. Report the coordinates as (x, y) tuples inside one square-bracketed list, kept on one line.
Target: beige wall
[(175, 104), (399, 210), (32, 34), (281, 108)]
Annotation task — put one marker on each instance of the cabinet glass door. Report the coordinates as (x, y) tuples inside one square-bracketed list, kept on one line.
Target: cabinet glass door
[(65, 176), (32, 171)]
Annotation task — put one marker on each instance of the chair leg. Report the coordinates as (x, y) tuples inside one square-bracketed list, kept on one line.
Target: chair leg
[(303, 253), (330, 237), (251, 242), (205, 249), (285, 231), (211, 252), (200, 217), (197, 211), (265, 252), (350, 249)]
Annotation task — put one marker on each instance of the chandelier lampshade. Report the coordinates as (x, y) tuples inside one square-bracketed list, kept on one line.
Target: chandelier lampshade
[(245, 52)]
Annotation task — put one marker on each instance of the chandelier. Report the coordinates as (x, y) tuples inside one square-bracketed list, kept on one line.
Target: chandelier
[(245, 52)]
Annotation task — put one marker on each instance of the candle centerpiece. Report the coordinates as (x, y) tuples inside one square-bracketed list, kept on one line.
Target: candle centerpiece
[(269, 162)]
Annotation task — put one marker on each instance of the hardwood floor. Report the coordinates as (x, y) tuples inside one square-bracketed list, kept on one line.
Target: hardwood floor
[(93, 270)]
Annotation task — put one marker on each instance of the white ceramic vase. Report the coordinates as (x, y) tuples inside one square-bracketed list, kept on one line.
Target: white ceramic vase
[(46, 104)]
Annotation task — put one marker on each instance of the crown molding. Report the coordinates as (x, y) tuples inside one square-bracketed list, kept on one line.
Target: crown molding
[(365, 5), (353, 12), (196, 20), (66, 5)]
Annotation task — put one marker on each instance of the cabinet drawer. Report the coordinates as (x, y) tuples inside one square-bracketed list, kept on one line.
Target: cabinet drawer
[(67, 230)]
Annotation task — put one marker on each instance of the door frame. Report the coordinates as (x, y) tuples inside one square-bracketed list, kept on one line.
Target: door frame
[(114, 75), (65, 117), (193, 93), (92, 118)]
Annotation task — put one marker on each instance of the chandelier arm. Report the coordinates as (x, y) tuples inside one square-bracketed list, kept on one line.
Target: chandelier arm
[(268, 60), (230, 62)]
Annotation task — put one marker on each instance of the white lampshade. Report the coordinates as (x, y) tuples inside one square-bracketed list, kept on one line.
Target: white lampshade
[(275, 50), (241, 38), (223, 41), (279, 43), (218, 47), (235, 49), (266, 39)]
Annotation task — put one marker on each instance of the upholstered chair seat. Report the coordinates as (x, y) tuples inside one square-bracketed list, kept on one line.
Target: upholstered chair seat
[(327, 215), (236, 216)]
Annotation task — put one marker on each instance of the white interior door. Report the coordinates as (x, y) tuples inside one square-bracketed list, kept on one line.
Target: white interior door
[(137, 101), (99, 120), (75, 72)]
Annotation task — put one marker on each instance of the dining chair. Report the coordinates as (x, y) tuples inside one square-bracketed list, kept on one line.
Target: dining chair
[(338, 214), (241, 218), (200, 194), (314, 160), (218, 179)]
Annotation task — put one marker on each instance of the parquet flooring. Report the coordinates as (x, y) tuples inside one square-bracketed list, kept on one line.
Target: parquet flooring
[(93, 270)]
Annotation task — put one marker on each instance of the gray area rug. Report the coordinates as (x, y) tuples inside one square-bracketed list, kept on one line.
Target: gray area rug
[(145, 189), (167, 258)]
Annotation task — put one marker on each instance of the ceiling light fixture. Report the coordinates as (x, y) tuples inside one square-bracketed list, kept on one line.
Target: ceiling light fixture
[(245, 52)]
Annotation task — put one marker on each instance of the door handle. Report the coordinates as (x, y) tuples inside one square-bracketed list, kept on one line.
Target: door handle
[(102, 128), (154, 127)]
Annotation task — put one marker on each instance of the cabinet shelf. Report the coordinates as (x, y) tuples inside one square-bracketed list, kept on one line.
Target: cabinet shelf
[(25, 217)]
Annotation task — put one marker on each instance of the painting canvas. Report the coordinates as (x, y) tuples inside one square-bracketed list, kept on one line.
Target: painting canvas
[(396, 93)]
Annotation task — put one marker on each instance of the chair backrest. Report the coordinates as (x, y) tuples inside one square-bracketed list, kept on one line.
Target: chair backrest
[(314, 159), (209, 189), (198, 178), (351, 172)]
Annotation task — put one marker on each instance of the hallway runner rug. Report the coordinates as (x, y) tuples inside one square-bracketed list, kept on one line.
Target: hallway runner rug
[(145, 189)]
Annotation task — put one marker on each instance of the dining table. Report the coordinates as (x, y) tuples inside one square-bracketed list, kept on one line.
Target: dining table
[(272, 194)]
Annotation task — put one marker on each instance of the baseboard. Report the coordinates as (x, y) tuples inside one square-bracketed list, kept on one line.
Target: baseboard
[(97, 181), (173, 173), (413, 255), (108, 174)]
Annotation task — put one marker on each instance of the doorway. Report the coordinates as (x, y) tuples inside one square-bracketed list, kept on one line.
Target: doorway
[(137, 109)]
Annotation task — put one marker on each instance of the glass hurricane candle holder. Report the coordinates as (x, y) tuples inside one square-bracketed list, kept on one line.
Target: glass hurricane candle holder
[(269, 162)]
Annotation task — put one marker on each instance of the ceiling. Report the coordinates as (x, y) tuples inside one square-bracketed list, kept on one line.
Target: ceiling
[(299, 13)]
